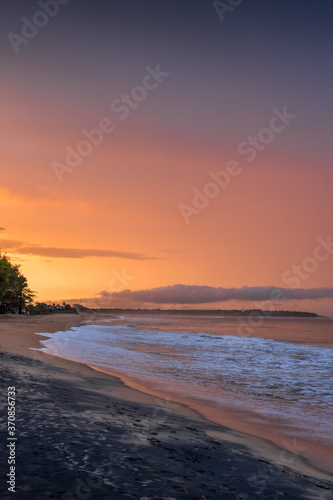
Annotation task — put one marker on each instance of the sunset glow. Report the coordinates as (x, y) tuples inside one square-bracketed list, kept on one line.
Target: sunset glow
[(118, 210)]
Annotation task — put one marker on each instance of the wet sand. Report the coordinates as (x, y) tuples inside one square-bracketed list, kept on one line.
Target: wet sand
[(279, 437), (84, 434), (304, 455)]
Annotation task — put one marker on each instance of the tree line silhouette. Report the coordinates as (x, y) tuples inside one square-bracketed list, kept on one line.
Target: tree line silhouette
[(15, 294)]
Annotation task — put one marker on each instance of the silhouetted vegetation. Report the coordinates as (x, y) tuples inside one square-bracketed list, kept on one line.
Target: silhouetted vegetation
[(15, 293), (43, 308)]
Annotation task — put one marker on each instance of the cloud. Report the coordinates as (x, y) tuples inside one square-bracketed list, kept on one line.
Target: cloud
[(192, 294), (24, 248)]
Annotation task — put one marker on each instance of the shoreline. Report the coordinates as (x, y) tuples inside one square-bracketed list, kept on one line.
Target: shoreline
[(258, 437), (18, 337), (280, 441)]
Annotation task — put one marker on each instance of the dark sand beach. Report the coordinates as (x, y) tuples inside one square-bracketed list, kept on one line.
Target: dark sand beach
[(84, 434)]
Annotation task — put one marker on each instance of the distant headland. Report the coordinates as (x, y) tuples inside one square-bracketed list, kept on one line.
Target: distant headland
[(203, 312)]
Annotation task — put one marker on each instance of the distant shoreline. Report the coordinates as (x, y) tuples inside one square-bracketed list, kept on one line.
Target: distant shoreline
[(201, 312)]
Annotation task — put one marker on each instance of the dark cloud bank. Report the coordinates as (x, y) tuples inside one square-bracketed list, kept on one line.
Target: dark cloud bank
[(192, 294)]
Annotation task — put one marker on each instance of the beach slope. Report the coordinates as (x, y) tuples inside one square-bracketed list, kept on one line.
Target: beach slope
[(83, 434)]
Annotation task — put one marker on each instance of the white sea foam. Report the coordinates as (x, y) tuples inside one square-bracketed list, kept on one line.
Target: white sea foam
[(283, 380)]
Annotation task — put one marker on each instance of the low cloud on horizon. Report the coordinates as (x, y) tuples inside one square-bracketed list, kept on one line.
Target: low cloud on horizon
[(195, 294)]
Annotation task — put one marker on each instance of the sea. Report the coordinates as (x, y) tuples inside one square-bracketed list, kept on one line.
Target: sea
[(273, 370)]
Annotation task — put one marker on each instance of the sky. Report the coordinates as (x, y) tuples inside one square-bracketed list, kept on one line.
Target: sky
[(169, 154)]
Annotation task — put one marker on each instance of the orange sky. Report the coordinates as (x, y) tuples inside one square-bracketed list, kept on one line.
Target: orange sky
[(118, 210), (263, 222)]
